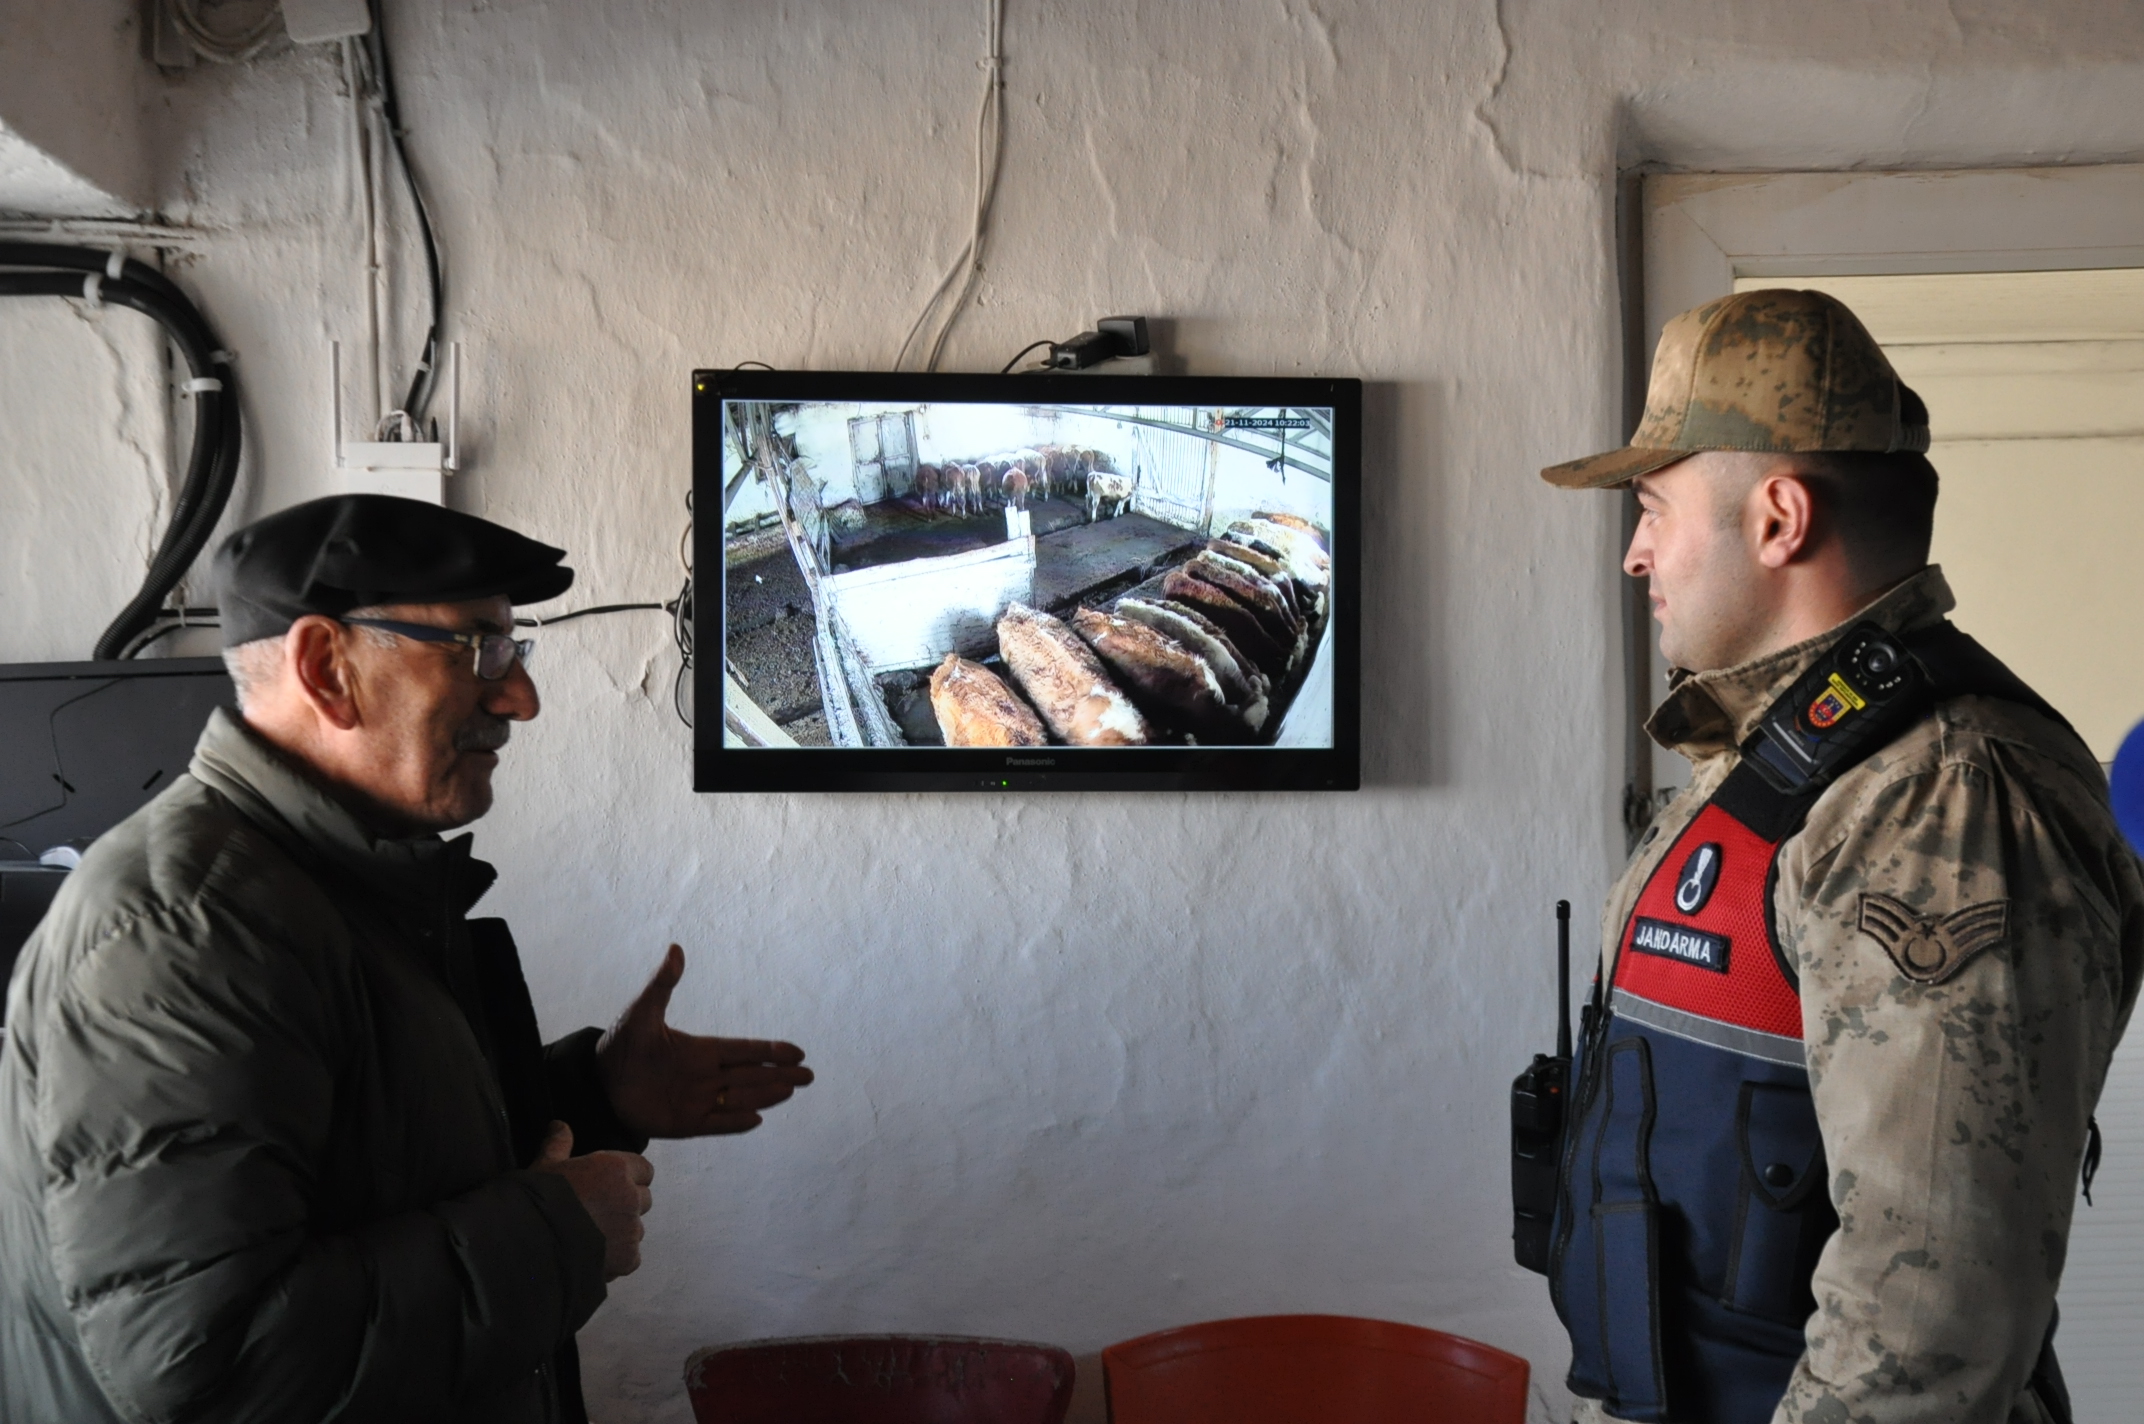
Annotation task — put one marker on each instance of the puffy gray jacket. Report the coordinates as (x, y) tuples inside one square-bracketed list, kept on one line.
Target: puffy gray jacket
[(263, 1098)]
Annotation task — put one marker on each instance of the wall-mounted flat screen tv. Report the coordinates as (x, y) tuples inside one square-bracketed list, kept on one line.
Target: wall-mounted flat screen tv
[(959, 582)]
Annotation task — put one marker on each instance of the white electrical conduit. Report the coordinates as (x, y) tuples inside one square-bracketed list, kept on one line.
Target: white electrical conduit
[(989, 147), (361, 126)]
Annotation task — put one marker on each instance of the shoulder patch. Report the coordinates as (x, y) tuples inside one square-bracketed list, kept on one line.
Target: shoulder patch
[(1929, 949)]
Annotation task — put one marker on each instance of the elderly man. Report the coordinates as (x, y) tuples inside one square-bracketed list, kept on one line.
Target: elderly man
[(278, 1138), (1861, 982)]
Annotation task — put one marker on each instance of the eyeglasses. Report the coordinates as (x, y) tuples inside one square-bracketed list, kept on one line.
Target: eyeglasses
[(495, 652)]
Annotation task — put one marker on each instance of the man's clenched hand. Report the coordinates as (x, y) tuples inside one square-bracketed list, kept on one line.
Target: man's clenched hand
[(613, 1188), (664, 1083)]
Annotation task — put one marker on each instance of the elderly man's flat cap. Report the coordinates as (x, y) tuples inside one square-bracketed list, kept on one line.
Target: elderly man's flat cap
[(360, 550)]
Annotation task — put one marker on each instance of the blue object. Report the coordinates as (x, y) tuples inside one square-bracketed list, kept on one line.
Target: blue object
[(2126, 786)]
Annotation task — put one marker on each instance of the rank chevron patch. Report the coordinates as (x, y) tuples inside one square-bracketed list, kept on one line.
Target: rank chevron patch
[(1926, 949)]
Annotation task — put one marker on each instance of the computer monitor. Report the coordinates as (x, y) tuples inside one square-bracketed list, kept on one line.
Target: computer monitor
[(82, 747), (959, 582)]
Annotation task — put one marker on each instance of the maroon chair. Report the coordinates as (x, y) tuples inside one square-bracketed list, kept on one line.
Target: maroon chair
[(880, 1379), (1311, 1369)]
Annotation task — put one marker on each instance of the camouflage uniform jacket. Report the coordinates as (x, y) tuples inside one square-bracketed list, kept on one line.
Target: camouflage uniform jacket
[(1969, 932)]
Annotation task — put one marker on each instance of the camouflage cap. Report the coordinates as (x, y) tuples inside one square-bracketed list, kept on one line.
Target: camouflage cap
[(1774, 370)]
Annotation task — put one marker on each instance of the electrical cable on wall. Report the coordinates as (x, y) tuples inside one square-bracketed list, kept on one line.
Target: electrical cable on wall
[(1031, 346), (989, 149), (371, 76), (679, 609), (534, 622), (681, 631), (169, 621), (44, 270), (426, 377), (373, 83), (681, 623)]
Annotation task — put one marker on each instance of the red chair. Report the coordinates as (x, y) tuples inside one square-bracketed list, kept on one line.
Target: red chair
[(1311, 1369), (880, 1379)]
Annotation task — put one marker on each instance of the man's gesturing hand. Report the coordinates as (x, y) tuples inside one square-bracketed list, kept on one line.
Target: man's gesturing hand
[(613, 1188), (669, 1084)]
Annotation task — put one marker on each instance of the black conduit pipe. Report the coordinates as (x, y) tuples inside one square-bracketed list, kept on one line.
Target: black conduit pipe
[(211, 467)]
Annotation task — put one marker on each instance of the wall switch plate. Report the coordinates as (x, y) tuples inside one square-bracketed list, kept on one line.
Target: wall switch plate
[(317, 21)]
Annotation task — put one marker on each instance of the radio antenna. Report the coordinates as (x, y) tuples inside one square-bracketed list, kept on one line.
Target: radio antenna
[(1563, 979)]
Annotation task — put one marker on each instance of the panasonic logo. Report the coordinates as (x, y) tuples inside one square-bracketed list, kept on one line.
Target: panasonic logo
[(1682, 944), (1031, 761)]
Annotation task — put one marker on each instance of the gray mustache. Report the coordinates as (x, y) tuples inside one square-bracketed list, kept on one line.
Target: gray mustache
[(483, 736)]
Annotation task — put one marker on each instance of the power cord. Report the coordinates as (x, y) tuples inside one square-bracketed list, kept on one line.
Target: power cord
[(558, 618), (681, 632), (1112, 336), (681, 624), (679, 609), (172, 620), (989, 149), (376, 71), (1031, 346), (99, 278)]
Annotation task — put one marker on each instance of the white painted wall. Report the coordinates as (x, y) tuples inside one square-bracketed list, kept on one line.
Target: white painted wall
[(1089, 1066), (70, 112), (85, 455)]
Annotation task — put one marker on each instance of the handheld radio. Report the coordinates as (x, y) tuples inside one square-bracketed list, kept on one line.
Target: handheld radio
[(1539, 1097)]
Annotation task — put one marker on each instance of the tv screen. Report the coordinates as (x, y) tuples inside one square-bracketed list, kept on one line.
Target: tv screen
[(960, 582)]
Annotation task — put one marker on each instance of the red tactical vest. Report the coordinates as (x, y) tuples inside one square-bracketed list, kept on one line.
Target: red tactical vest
[(1698, 955), (1693, 1203)]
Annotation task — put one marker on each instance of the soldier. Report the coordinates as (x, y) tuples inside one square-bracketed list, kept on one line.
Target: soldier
[(1862, 979), (278, 1137)]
